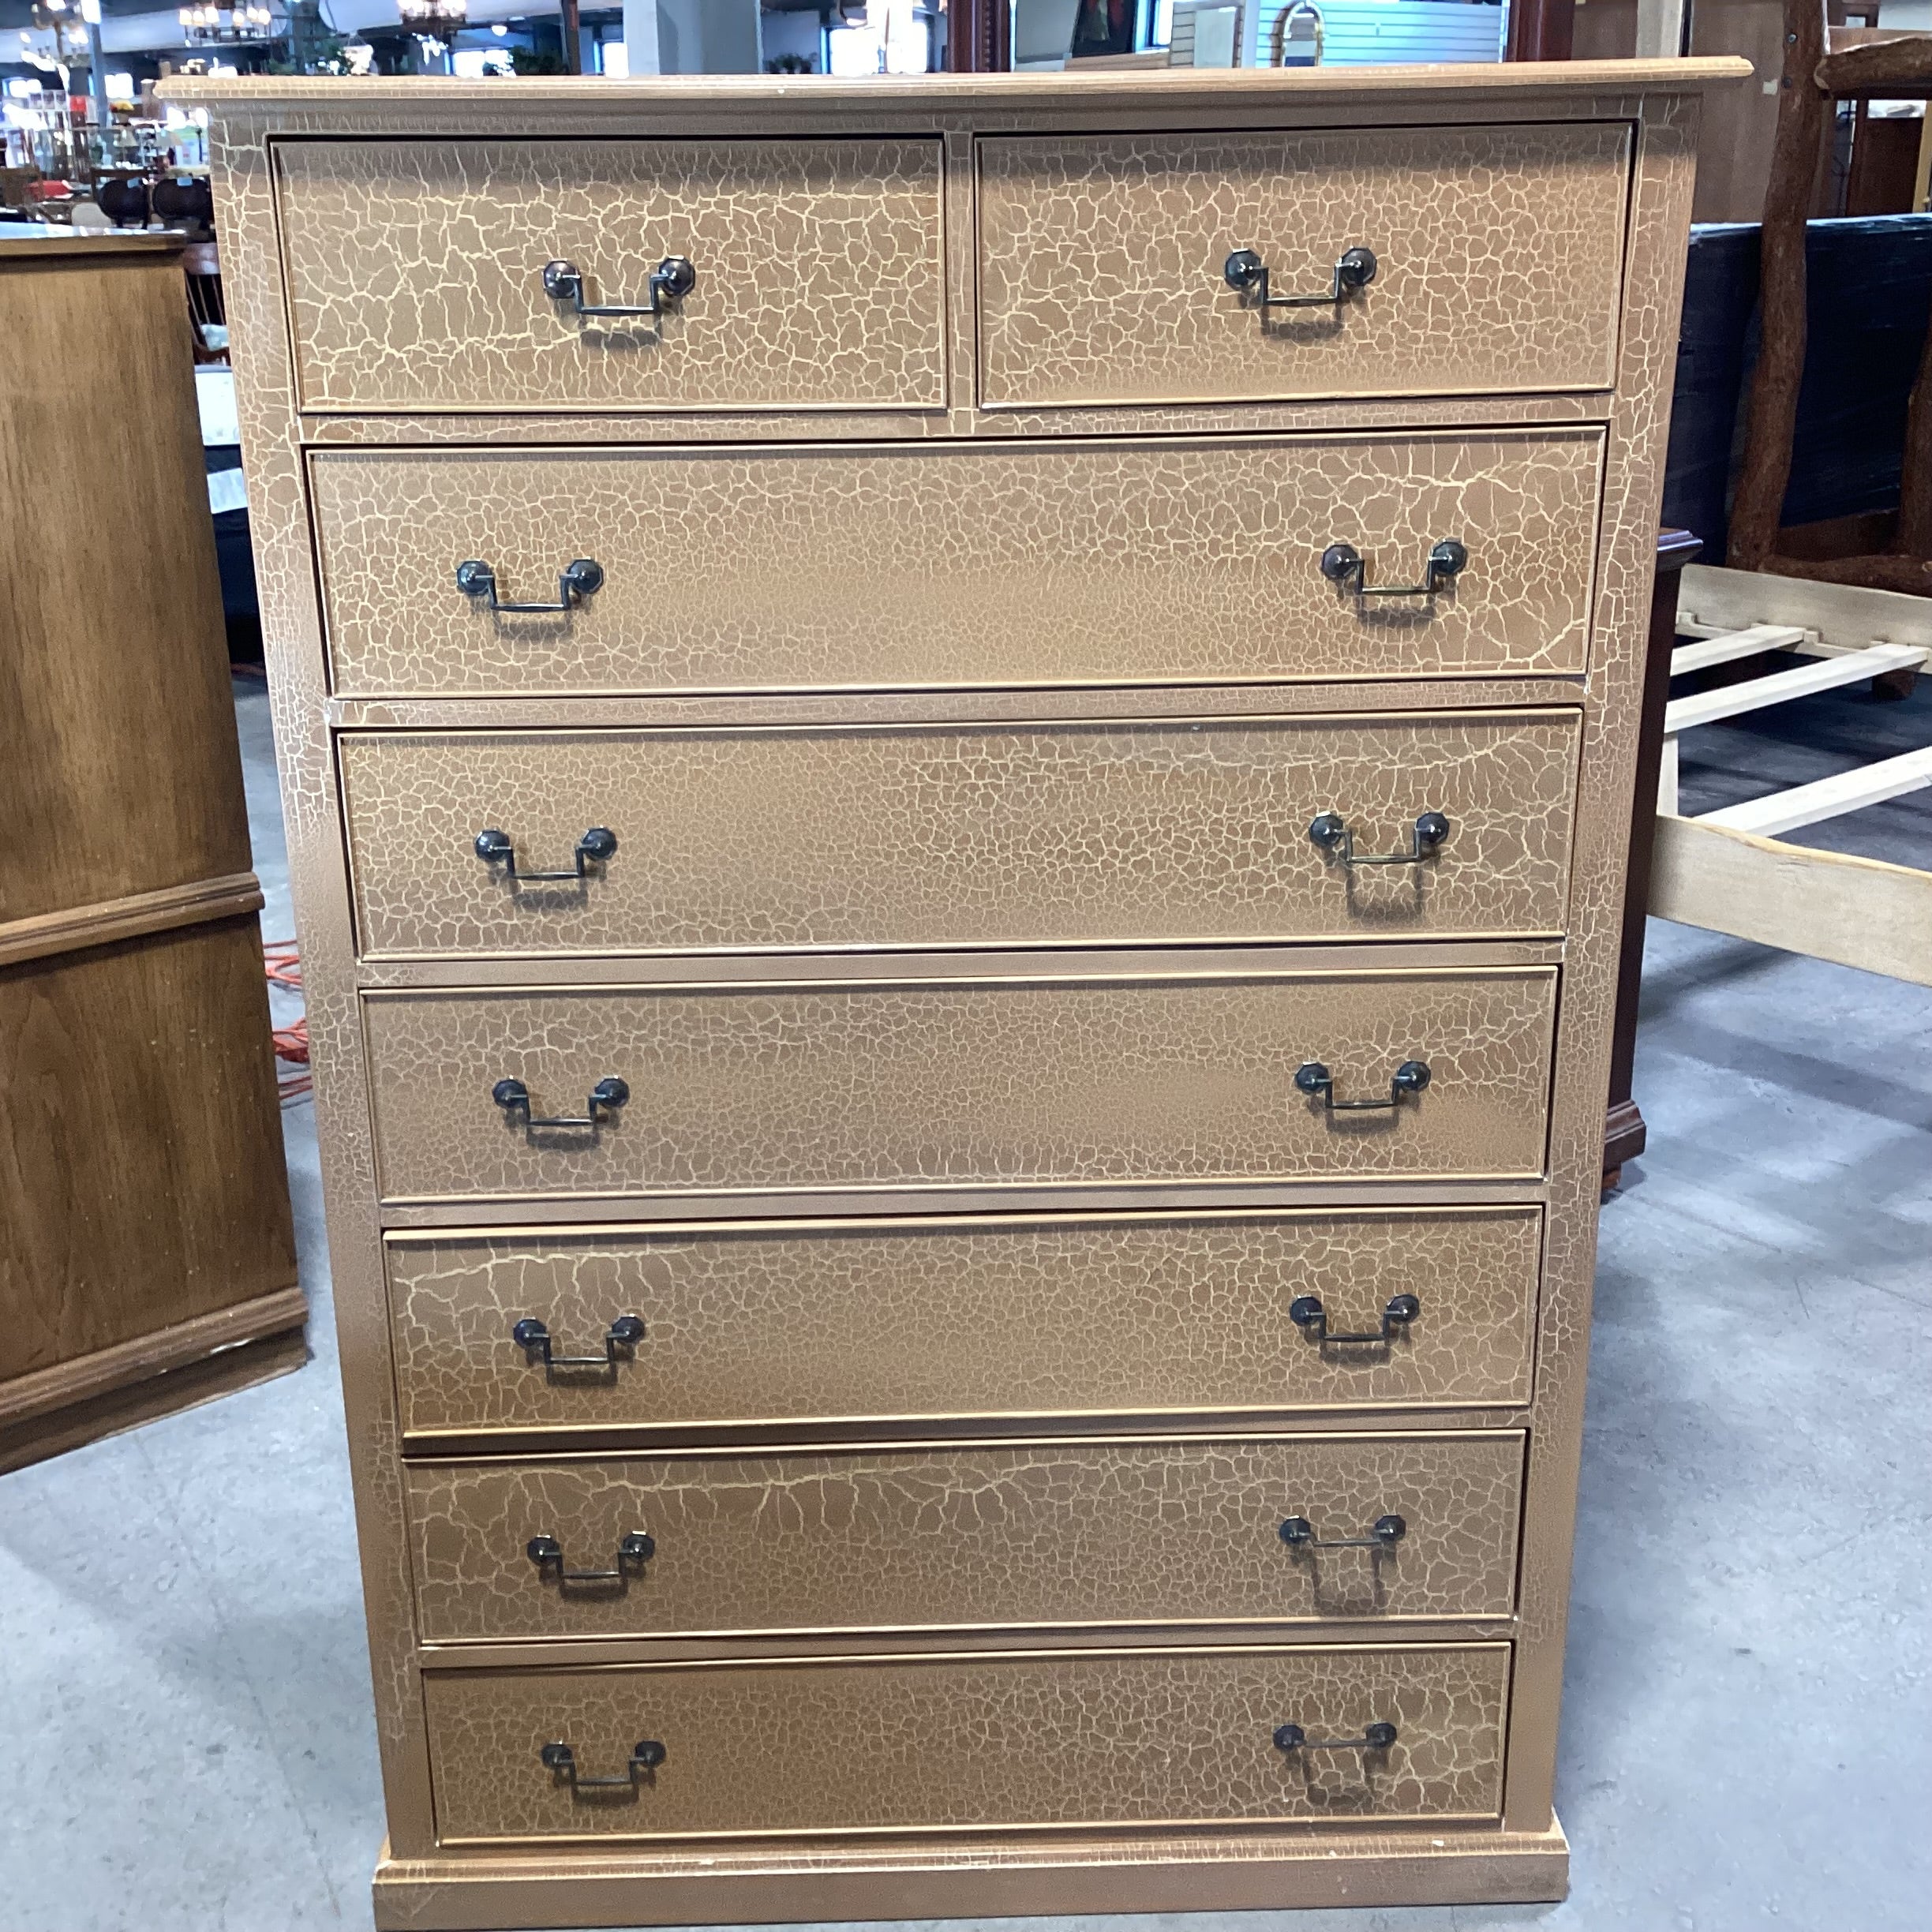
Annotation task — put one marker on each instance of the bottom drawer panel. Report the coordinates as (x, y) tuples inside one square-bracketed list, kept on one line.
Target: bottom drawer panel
[(952, 1742)]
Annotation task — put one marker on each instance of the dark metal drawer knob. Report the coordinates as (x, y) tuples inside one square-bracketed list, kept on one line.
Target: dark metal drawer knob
[(1291, 1737), (581, 579), (1342, 564), (1315, 1081), (670, 281), (1298, 1533), (496, 848), (619, 1339), (1247, 274), (633, 1552), (1331, 832), (606, 1097), (1308, 1314), (646, 1755)]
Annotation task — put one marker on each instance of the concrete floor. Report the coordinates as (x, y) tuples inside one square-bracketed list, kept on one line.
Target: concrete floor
[(1748, 1726)]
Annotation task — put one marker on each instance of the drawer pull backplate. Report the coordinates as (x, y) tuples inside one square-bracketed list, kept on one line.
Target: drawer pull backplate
[(1247, 274), (624, 1335), (606, 1096), (646, 1755), (1332, 833), (581, 578), (1315, 1081), (1291, 1737), (599, 843), (1342, 564), (633, 1551), (1299, 1533), (1308, 1314), (672, 280)]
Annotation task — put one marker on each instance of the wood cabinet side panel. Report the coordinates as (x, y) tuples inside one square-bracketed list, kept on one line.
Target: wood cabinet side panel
[(1665, 172), (141, 1176), (110, 616)]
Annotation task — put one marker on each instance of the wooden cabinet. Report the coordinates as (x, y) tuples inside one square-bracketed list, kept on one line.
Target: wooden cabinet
[(962, 907), (146, 1254)]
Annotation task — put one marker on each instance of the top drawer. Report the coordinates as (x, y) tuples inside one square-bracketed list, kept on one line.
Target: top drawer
[(416, 274), (1498, 251)]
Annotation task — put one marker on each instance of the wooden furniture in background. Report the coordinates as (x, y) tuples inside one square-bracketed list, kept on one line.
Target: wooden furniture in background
[(978, 36), (147, 1252), (1815, 76), (1540, 30), (1624, 1133), (1734, 155), (947, 1305)]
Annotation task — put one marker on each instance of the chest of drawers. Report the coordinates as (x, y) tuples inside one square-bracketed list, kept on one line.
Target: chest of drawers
[(960, 881)]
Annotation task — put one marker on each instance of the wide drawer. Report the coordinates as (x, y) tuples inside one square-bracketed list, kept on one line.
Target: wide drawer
[(945, 1085), (1103, 263), (415, 273), (959, 835), (1015, 1741), (929, 1319), (1186, 1531), (960, 564)]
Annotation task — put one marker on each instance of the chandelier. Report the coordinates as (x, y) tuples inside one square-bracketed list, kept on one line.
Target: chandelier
[(433, 15), (204, 24), (68, 21)]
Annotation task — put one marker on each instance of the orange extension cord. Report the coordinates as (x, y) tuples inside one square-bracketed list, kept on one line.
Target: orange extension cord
[(291, 1042)]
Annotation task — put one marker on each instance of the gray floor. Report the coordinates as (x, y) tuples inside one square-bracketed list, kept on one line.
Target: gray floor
[(1748, 1726)]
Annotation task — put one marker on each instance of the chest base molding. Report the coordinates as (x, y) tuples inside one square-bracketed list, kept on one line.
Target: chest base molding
[(1261, 1870)]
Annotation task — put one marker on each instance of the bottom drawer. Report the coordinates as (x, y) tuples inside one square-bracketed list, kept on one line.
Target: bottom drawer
[(949, 1742)]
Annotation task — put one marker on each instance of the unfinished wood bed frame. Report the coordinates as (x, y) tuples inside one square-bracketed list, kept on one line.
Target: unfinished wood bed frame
[(1729, 870)]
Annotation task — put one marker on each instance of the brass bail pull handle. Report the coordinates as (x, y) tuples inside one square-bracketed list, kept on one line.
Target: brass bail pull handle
[(581, 578), (533, 1337), (1317, 1081), (1333, 834), (646, 1755), (1298, 1533), (497, 848), (606, 1097), (1343, 565), (670, 281), (1290, 1737), (1247, 274), (1308, 1314), (633, 1551)]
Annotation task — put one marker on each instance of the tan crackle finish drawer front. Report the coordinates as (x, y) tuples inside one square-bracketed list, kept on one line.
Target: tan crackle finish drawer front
[(1023, 1741), (1039, 1533), (828, 1321), (959, 835), (1498, 250), (415, 273), (982, 1083), (961, 564)]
